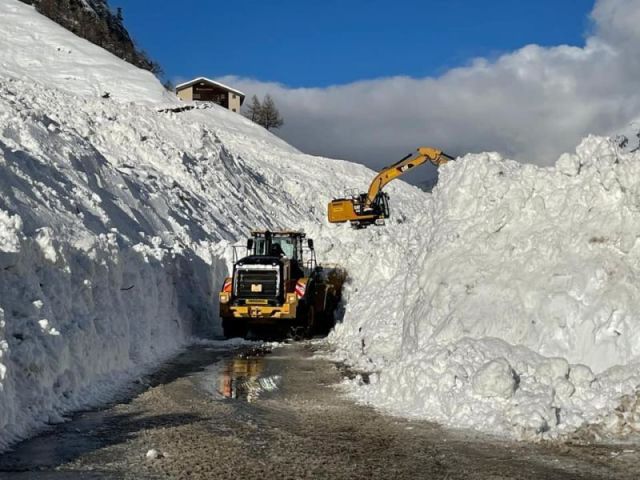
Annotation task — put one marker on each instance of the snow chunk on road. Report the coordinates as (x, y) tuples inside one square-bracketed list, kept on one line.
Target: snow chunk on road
[(581, 375), (495, 378), (154, 454), (551, 369)]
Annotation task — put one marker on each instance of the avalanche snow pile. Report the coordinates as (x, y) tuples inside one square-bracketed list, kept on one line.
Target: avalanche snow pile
[(116, 217), (518, 308)]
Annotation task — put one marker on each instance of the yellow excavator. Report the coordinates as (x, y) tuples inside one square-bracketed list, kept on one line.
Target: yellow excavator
[(372, 208)]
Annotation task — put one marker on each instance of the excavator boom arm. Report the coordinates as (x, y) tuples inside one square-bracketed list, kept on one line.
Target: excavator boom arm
[(425, 154)]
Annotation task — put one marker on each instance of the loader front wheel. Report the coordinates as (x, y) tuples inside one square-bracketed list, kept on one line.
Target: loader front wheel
[(233, 327), (303, 326)]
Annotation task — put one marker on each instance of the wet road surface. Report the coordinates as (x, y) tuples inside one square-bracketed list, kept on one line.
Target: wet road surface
[(251, 413)]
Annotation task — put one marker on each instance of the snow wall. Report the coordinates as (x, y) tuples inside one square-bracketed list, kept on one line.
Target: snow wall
[(504, 301), (117, 217), (518, 307)]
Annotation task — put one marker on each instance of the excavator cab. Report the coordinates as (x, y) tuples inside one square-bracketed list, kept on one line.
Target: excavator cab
[(372, 207), (356, 210)]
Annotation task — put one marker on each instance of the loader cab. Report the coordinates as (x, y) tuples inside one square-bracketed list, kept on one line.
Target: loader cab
[(270, 244), (292, 248), (272, 265)]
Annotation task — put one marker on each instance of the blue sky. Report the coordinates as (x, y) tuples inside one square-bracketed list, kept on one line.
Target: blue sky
[(313, 43)]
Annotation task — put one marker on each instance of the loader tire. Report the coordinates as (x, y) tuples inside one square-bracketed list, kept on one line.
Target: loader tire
[(324, 323), (311, 322), (232, 327), (327, 317), (302, 328)]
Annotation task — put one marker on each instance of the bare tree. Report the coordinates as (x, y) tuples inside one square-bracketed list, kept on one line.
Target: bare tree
[(269, 115), (253, 110)]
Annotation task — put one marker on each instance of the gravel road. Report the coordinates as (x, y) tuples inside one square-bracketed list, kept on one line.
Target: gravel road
[(252, 413)]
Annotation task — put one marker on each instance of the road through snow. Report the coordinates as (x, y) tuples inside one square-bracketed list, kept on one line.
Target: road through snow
[(248, 413), (506, 301)]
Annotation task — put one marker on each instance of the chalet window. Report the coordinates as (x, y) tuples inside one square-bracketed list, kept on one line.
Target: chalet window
[(233, 109), (233, 96)]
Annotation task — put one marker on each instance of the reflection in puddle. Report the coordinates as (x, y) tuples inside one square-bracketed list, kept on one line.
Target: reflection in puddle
[(243, 378)]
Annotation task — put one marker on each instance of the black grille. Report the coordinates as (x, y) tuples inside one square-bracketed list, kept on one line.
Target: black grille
[(257, 284)]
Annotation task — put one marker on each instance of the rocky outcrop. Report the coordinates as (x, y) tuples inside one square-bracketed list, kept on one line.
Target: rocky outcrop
[(94, 21)]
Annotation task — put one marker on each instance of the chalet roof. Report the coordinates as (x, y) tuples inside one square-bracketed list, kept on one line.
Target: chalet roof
[(182, 86)]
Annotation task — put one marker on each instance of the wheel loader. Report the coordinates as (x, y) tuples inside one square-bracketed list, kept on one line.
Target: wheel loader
[(372, 207), (275, 290)]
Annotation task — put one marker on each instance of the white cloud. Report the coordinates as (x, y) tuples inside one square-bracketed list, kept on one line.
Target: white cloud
[(532, 104)]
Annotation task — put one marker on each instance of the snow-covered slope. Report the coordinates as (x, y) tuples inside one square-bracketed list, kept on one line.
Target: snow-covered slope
[(490, 303), (37, 49), (116, 218)]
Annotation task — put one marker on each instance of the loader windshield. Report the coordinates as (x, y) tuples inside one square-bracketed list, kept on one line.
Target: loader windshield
[(260, 246), (278, 245), (287, 245)]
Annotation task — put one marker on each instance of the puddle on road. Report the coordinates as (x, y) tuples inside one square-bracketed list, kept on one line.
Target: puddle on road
[(39, 456), (54, 447), (244, 377)]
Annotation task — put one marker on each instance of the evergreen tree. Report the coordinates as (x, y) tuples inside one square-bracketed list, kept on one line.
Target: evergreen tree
[(169, 86), (254, 110), (269, 115)]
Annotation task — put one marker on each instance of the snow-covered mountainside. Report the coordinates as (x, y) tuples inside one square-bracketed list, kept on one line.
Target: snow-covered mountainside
[(504, 301)]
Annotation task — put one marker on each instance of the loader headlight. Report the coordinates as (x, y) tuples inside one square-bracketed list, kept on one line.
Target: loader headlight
[(291, 298), (224, 298)]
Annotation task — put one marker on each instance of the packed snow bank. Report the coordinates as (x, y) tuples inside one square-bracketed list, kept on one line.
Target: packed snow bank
[(519, 313), (116, 217)]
